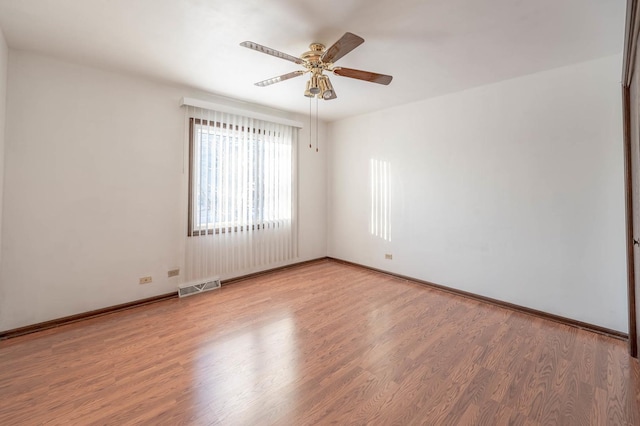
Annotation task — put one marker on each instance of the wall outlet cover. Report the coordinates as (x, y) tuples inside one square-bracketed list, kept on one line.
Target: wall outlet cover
[(145, 280)]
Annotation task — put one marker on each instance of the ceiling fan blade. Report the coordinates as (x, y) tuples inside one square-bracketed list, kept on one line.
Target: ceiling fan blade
[(270, 51), (279, 78), (346, 44), (363, 75)]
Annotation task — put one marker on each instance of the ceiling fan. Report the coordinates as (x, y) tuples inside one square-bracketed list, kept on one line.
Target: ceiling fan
[(317, 60)]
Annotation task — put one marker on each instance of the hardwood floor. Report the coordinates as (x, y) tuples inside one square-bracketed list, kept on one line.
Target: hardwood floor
[(319, 344)]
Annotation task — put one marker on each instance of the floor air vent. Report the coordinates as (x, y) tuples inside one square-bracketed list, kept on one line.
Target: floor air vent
[(192, 288)]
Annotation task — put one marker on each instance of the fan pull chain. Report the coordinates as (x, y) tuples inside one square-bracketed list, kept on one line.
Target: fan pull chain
[(310, 123), (316, 124)]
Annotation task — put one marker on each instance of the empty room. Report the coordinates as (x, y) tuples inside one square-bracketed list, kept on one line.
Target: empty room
[(302, 212)]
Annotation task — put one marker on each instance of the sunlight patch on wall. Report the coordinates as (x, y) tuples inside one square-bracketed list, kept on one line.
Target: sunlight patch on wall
[(380, 220)]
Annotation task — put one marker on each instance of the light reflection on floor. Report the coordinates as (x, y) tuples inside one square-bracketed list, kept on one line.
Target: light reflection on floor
[(246, 365)]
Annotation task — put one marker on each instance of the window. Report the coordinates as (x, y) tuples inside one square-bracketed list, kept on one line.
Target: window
[(240, 176)]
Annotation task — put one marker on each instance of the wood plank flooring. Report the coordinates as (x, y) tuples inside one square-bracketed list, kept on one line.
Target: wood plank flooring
[(319, 344)]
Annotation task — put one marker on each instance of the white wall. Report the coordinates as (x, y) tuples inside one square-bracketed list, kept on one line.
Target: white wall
[(95, 190), (512, 191), (4, 60)]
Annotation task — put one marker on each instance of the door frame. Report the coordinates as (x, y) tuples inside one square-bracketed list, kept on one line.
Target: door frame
[(628, 72)]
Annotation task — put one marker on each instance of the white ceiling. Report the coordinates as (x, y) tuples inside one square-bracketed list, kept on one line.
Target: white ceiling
[(431, 47)]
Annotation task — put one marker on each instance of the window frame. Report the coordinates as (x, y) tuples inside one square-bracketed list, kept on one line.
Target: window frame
[(221, 228)]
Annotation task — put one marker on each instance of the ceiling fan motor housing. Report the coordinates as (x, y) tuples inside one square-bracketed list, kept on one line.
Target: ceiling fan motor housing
[(313, 58)]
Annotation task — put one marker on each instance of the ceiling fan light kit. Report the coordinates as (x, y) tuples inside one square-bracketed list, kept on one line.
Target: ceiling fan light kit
[(314, 87), (318, 60)]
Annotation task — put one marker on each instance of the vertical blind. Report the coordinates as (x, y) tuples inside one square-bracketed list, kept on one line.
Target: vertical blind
[(241, 208)]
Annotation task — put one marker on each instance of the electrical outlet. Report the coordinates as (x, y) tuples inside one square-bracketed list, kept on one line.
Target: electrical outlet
[(388, 256), (145, 280), (173, 273)]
